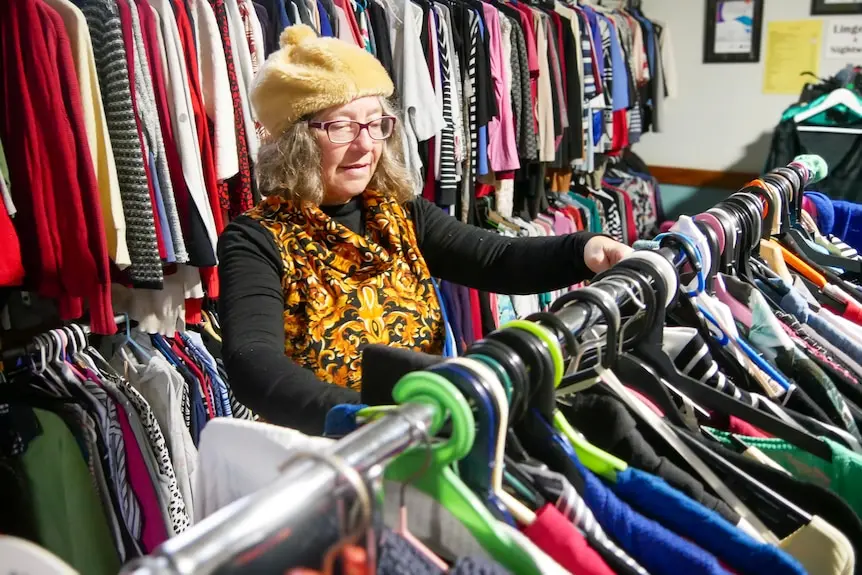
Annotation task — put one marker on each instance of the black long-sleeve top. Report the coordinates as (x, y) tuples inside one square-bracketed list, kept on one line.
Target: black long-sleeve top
[(251, 304)]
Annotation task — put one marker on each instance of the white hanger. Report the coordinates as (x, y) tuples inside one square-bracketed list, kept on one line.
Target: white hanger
[(841, 96)]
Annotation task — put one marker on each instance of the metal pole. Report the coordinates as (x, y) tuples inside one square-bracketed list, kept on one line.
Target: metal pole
[(581, 316), (255, 525)]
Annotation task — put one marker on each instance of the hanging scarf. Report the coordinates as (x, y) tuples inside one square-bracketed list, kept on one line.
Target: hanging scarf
[(343, 290)]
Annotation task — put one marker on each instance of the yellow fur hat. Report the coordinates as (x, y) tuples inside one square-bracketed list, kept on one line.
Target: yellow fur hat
[(309, 74)]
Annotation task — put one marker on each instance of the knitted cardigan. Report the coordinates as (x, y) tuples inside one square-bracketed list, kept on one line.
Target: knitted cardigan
[(106, 32), (59, 214)]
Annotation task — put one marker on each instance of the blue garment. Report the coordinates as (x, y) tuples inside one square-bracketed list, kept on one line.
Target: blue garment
[(199, 352), (825, 212), (482, 148), (840, 218), (620, 88), (325, 26), (167, 238), (653, 497), (341, 419), (597, 40), (848, 223), (198, 411), (795, 304), (449, 348), (283, 18), (598, 126), (658, 550), (447, 290)]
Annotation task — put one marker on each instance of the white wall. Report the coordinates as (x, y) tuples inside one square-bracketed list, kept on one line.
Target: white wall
[(721, 119)]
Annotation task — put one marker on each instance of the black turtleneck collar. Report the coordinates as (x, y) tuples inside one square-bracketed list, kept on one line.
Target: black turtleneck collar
[(348, 215)]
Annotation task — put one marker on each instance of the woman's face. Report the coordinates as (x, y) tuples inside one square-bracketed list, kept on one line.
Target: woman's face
[(347, 168)]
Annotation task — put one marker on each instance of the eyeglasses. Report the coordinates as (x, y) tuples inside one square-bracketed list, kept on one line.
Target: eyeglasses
[(345, 131)]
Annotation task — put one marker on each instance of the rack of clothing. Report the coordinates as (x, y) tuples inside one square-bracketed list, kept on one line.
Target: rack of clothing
[(671, 417), (827, 120), (100, 447), (622, 200), (143, 118)]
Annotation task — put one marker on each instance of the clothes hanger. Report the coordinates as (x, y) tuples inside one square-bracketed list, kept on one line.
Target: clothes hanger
[(402, 528), (638, 374), (516, 370), (514, 367), (475, 467), (440, 481), (595, 459), (607, 375), (207, 324), (838, 97), (714, 399), (522, 514), (773, 509), (646, 294)]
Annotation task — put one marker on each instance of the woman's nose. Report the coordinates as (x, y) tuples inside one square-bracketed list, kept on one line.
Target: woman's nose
[(364, 141)]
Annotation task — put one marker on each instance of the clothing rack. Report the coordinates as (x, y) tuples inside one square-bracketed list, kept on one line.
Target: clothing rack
[(259, 521), (14, 353)]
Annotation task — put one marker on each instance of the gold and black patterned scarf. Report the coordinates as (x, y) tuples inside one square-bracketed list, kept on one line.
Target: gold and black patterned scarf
[(343, 290)]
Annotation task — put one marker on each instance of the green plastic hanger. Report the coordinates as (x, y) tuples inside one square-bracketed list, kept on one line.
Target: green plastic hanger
[(440, 481), (596, 460)]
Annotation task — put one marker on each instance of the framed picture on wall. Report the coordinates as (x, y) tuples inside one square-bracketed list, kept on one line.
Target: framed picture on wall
[(733, 30), (827, 7)]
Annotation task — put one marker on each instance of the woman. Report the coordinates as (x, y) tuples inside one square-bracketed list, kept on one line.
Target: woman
[(341, 253)]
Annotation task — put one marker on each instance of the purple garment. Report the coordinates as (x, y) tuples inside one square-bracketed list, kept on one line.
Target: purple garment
[(466, 307), (597, 39)]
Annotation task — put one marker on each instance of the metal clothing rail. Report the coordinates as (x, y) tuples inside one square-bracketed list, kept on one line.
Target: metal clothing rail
[(11, 354), (257, 523), (261, 521)]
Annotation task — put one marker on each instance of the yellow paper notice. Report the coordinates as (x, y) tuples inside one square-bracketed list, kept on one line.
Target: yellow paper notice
[(792, 47)]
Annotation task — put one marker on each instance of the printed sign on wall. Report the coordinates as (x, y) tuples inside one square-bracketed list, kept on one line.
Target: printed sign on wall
[(844, 39)]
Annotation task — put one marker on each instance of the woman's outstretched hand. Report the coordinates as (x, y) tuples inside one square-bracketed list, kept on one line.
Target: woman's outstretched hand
[(602, 252)]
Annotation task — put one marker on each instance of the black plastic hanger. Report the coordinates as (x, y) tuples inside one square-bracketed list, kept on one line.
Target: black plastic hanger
[(650, 350), (714, 253), (731, 237), (791, 227), (537, 358), (629, 369), (646, 291), (515, 368), (773, 509)]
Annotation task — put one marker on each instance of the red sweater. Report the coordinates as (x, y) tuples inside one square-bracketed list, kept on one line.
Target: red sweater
[(54, 185)]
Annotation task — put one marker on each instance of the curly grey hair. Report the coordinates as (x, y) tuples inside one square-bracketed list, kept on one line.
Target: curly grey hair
[(288, 165)]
